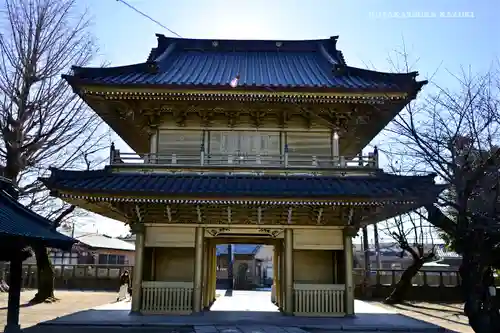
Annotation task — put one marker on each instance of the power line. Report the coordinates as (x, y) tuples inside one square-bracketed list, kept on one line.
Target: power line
[(149, 17)]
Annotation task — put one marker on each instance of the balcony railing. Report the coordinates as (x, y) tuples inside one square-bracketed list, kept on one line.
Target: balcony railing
[(245, 161)]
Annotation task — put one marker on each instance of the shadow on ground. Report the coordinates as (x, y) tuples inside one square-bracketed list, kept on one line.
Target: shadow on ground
[(117, 317)]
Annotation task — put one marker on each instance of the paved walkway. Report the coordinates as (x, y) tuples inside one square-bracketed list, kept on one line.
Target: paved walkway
[(236, 314), (242, 300)]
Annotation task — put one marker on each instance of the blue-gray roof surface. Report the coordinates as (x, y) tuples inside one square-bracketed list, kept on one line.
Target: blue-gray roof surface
[(18, 221), (238, 249), (106, 181), (214, 63)]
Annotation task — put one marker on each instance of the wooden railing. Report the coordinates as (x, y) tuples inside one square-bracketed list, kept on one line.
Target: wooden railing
[(246, 161), (167, 297), (319, 299)]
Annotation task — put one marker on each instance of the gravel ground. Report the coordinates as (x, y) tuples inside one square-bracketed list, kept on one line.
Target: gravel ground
[(69, 302), (447, 315)]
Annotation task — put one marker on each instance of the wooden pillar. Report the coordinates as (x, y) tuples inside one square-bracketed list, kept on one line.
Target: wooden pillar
[(198, 269), (281, 275), (349, 283), (214, 279), (288, 301), (14, 298), (206, 264), (138, 229), (275, 274)]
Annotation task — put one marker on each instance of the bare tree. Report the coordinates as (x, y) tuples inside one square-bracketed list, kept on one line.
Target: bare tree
[(410, 232), (42, 122), (454, 132)]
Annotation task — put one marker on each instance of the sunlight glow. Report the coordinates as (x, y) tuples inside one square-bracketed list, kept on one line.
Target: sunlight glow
[(234, 82)]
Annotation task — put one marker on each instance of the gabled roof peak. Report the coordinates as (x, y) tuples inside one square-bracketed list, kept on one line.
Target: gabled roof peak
[(246, 45)]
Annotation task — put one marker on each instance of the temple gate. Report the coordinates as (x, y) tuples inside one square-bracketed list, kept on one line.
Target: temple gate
[(239, 142)]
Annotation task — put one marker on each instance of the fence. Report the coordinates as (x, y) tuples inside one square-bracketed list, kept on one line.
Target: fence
[(90, 277), (427, 285)]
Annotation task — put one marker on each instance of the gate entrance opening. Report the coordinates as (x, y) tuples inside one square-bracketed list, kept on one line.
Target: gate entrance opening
[(298, 271)]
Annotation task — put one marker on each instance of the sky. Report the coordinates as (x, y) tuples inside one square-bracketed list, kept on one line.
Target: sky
[(441, 36)]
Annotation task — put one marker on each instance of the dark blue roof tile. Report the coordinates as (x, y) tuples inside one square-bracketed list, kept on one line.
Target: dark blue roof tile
[(241, 185), (16, 221), (293, 64)]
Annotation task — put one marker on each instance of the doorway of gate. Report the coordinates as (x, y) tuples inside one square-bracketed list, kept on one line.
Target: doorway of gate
[(244, 266), (245, 275)]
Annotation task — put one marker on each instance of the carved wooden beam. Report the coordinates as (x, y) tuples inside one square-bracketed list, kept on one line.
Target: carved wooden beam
[(284, 118), (169, 213), (198, 213), (320, 215), (258, 117), (139, 213), (180, 117), (229, 214), (206, 117), (289, 218), (350, 216), (232, 117)]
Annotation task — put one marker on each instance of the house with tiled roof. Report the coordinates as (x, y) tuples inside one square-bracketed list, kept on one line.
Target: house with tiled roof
[(244, 142), (245, 267), (93, 249)]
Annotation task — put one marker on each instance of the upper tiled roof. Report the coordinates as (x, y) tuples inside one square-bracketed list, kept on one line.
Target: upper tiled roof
[(198, 63), (17, 221), (384, 186), (238, 249)]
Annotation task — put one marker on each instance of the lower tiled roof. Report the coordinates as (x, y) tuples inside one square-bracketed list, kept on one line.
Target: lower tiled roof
[(239, 185), (16, 221)]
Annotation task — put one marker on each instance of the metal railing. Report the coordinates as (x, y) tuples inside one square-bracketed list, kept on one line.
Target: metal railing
[(245, 161)]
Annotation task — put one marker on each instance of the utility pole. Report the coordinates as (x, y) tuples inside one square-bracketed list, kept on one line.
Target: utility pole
[(377, 246), (366, 251), (230, 263)]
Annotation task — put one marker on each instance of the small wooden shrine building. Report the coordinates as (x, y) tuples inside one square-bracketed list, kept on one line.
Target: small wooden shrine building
[(244, 141), (20, 229)]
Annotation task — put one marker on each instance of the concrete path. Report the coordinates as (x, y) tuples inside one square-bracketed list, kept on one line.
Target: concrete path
[(242, 300), (239, 312)]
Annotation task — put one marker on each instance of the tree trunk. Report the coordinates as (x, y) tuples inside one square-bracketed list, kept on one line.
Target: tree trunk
[(45, 276), (400, 291), (480, 307)]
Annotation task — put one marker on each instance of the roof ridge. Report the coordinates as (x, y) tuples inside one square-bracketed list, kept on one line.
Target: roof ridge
[(399, 78), (95, 72)]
